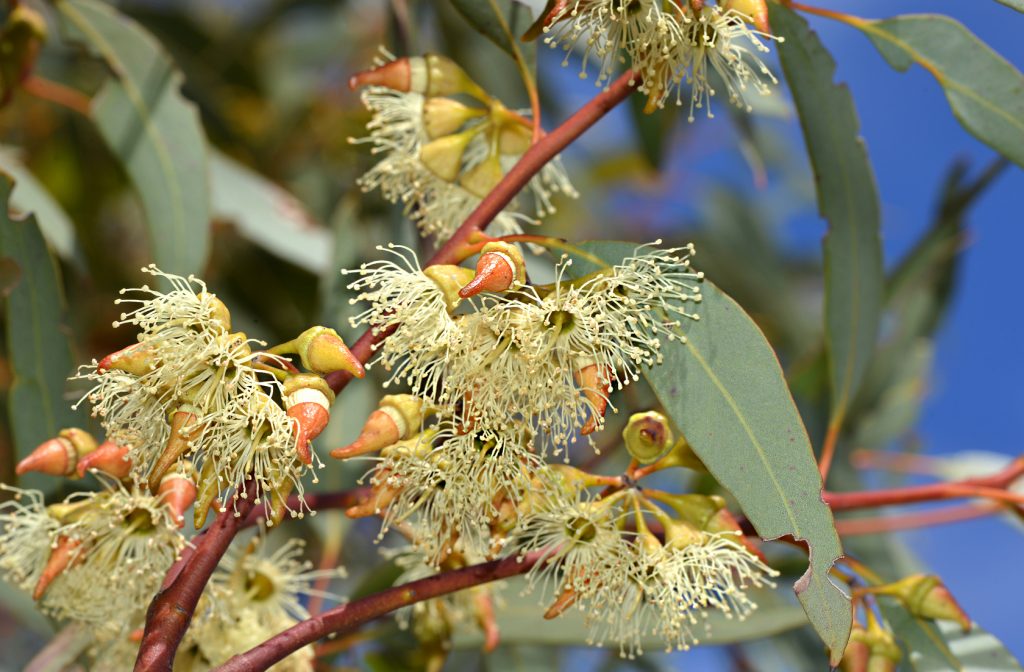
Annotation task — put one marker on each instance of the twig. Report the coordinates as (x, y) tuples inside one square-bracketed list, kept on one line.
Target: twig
[(352, 615), (54, 92), (949, 514), (992, 487)]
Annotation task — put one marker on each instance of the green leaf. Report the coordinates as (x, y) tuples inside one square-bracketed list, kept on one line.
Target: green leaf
[(725, 390), (985, 90), (30, 196), (847, 198), (1015, 4), (517, 18), (268, 215), (940, 646), (519, 614), (152, 129), (37, 336)]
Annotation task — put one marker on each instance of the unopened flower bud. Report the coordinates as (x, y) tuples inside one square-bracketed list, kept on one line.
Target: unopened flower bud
[(178, 491), (308, 400), (680, 534), (63, 553), (927, 597), (430, 75), (185, 429), (108, 458), (58, 456), (500, 267), (398, 417), (138, 360), (482, 178), (207, 487), (443, 156), (565, 599), (395, 75), (483, 608), (444, 116), (755, 11), (450, 279), (322, 351), (23, 33), (218, 311), (858, 651), (648, 436), (596, 386), (514, 138)]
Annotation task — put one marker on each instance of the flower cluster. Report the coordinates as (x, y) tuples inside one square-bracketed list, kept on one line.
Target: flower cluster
[(97, 558), (535, 358), (441, 156), (669, 44), (598, 554), (193, 389)]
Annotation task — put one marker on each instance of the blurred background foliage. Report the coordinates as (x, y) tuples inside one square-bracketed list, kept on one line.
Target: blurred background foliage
[(268, 79)]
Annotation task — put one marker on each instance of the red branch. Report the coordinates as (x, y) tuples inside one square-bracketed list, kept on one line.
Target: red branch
[(171, 611), (994, 486), (532, 161), (352, 615)]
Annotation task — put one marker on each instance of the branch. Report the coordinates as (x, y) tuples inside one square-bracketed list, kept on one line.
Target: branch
[(949, 514), (352, 615), (171, 611), (992, 487), (529, 165)]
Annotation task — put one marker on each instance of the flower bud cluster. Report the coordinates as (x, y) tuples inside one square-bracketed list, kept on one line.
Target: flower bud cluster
[(444, 144), (670, 44)]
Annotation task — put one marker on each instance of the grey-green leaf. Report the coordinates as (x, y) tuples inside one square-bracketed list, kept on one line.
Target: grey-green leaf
[(268, 215), (985, 90), (151, 129), (725, 390), (847, 198), (37, 336), (517, 17), (941, 646), (1015, 4), (30, 196), (517, 621)]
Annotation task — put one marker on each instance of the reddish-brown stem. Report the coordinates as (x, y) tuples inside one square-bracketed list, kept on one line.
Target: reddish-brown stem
[(511, 184), (171, 611), (949, 514), (352, 615), (828, 450), (57, 93), (992, 487)]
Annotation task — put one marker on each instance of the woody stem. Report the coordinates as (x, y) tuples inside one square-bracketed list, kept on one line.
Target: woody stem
[(349, 616)]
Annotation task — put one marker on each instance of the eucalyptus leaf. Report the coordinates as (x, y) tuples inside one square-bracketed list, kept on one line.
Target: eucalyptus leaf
[(1015, 4), (37, 336), (940, 646), (152, 129), (724, 389), (30, 196), (847, 198), (268, 215), (517, 622), (504, 29), (985, 90)]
